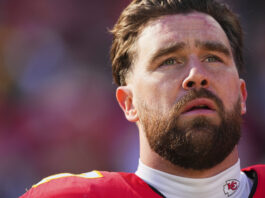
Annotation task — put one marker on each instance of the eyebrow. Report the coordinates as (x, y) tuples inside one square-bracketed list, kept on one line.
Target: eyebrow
[(213, 46), (176, 47), (167, 50)]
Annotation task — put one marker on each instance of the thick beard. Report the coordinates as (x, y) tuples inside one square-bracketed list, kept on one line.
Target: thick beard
[(199, 144)]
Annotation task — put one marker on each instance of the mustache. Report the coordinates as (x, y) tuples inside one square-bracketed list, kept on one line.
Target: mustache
[(195, 94)]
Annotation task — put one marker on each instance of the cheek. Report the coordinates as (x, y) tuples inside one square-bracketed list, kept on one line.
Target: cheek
[(229, 90), (156, 92), (144, 91)]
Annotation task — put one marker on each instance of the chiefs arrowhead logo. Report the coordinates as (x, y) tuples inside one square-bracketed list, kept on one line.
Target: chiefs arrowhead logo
[(231, 187)]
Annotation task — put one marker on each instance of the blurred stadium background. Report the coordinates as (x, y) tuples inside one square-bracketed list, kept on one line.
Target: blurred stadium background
[(57, 101)]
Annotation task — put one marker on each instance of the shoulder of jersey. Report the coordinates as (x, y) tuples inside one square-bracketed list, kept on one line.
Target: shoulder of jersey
[(94, 184), (257, 173), (258, 167), (259, 170)]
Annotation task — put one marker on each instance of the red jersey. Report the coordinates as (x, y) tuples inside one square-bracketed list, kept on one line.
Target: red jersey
[(257, 173), (94, 184), (99, 184)]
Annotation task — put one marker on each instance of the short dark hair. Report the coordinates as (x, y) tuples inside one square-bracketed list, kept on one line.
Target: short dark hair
[(133, 19)]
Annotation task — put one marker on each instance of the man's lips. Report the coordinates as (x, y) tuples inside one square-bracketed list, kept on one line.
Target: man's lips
[(200, 105)]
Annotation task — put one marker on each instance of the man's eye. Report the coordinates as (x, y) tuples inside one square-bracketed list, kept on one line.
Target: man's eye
[(170, 61), (211, 59)]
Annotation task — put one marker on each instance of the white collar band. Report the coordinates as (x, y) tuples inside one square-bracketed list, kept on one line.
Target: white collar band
[(230, 183)]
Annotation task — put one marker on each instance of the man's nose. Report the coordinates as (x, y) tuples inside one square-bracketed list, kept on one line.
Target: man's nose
[(197, 76)]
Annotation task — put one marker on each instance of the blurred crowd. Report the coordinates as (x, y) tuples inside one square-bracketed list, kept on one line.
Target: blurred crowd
[(58, 111)]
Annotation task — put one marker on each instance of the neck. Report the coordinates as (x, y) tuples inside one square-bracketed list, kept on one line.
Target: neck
[(153, 160)]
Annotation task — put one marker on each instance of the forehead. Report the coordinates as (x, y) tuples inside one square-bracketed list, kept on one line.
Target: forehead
[(187, 28)]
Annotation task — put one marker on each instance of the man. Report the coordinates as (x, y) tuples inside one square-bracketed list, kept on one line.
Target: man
[(177, 65)]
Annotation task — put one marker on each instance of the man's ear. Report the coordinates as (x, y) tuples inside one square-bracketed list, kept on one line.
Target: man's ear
[(244, 94), (125, 99)]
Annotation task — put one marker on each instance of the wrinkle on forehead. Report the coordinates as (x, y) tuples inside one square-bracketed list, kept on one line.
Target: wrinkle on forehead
[(197, 19), (181, 28)]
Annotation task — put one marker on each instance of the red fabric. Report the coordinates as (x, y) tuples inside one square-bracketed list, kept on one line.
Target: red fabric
[(260, 170), (111, 185), (114, 185)]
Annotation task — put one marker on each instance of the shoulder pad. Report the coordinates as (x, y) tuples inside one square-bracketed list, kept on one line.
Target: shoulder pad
[(89, 175), (64, 185)]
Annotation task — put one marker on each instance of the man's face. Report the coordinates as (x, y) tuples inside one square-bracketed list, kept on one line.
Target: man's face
[(185, 90)]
